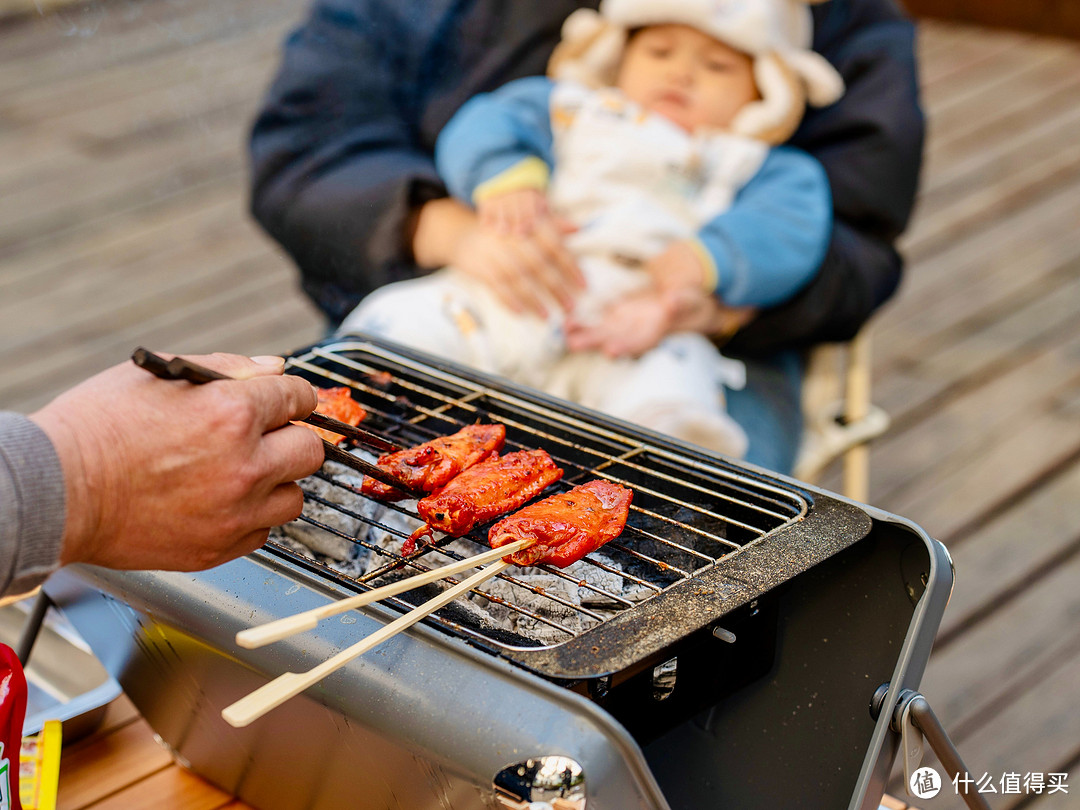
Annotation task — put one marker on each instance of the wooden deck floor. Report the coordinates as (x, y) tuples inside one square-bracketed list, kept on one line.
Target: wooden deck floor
[(122, 222)]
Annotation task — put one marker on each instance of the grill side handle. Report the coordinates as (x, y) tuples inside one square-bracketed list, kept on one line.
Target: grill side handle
[(697, 603)]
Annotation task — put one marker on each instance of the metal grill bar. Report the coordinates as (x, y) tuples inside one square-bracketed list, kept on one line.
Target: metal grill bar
[(464, 403), (687, 514)]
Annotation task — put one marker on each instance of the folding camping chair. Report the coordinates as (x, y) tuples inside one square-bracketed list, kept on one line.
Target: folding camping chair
[(840, 419)]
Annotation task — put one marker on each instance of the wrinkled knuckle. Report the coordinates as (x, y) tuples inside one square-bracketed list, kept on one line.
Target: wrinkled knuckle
[(245, 479)]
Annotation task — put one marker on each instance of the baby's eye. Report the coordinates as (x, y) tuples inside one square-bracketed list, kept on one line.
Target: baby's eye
[(717, 66), (659, 52)]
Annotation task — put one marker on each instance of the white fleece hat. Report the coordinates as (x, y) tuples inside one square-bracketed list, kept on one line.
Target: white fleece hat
[(776, 33)]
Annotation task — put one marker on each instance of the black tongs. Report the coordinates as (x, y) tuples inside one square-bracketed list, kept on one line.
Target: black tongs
[(180, 369)]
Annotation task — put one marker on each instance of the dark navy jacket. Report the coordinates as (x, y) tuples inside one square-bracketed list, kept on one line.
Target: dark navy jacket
[(343, 148)]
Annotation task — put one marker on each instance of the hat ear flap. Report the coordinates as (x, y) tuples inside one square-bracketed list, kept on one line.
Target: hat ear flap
[(824, 85), (776, 116), (590, 50)]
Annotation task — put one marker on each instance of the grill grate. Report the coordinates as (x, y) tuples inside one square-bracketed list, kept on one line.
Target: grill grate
[(688, 512)]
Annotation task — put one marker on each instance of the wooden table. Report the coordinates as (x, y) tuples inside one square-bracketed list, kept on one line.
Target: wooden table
[(122, 767)]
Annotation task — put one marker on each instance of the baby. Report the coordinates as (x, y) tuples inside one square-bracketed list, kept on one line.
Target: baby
[(655, 137)]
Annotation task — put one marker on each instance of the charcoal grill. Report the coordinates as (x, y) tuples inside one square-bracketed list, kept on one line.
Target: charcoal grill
[(722, 652)]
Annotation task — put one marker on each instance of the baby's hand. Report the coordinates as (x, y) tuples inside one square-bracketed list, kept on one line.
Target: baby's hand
[(630, 326), (679, 268), (515, 212), (638, 322)]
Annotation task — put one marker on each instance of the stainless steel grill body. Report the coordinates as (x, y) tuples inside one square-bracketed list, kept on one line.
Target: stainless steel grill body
[(781, 607)]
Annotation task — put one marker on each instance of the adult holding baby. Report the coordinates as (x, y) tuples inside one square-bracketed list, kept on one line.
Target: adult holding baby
[(348, 186)]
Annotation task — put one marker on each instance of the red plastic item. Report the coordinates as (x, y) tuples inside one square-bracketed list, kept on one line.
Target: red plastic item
[(12, 715)]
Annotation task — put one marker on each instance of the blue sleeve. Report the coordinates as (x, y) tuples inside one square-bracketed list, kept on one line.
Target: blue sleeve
[(773, 238), (493, 132)]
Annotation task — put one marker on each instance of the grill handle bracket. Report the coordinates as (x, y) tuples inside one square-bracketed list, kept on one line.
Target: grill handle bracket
[(914, 720)]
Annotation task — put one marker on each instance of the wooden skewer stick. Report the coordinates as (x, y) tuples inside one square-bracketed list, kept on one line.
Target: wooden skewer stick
[(273, 631), (290, 684)]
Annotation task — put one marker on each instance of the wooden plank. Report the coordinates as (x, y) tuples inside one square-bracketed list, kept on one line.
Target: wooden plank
[(118, 713), (175, 326), (1015, 80), (111, 91), (223, 96), (992, 478), (944, 472), (102, 298), (945, 52), (145, 233), (171, 787), (999, 62), (94, 772), (996, 200), (960, 360), (979, 274), (76, 196), (163, 220), (1013, 138), (38, 52), (1005, 557)]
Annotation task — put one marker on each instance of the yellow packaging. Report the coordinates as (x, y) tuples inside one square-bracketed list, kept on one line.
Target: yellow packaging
[(39, 768)]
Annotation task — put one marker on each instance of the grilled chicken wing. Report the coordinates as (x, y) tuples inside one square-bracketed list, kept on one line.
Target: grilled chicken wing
[(491, 488), (339, 404), (567, 526), (432, 465)]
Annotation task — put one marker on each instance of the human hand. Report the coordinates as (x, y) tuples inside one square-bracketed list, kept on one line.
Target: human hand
[(515, 212), (524, 271), (638, 322), (678, 267), (629, 326), (169, 475)]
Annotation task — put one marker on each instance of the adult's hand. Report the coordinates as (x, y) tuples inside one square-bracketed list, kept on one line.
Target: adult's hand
[(170, 475), (525, 271)]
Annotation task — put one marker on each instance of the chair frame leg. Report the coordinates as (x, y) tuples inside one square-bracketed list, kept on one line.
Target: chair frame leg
[(856, 469)]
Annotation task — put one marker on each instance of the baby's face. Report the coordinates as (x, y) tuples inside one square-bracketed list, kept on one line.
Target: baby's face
[(686, 76)]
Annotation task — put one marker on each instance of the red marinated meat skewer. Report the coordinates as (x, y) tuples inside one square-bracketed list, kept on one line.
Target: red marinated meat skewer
[(338, 404), (565, 527), (432, 465), (491, 488)]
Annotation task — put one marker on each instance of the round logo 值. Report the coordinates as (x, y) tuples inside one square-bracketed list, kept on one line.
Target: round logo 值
[(925, 783)]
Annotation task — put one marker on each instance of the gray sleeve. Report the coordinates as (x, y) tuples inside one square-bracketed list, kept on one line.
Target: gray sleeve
[(31, 504)]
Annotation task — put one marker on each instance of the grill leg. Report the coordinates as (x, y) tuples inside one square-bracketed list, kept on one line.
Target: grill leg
[(914, 708), (32, 627)]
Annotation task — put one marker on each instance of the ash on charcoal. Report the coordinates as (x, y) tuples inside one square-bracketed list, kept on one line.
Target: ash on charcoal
[(326, 541), (348, 567), (547, 607)]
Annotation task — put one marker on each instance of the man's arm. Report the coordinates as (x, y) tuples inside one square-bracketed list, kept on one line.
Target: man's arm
[(31, 504), (870, 144), (83, 480)]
